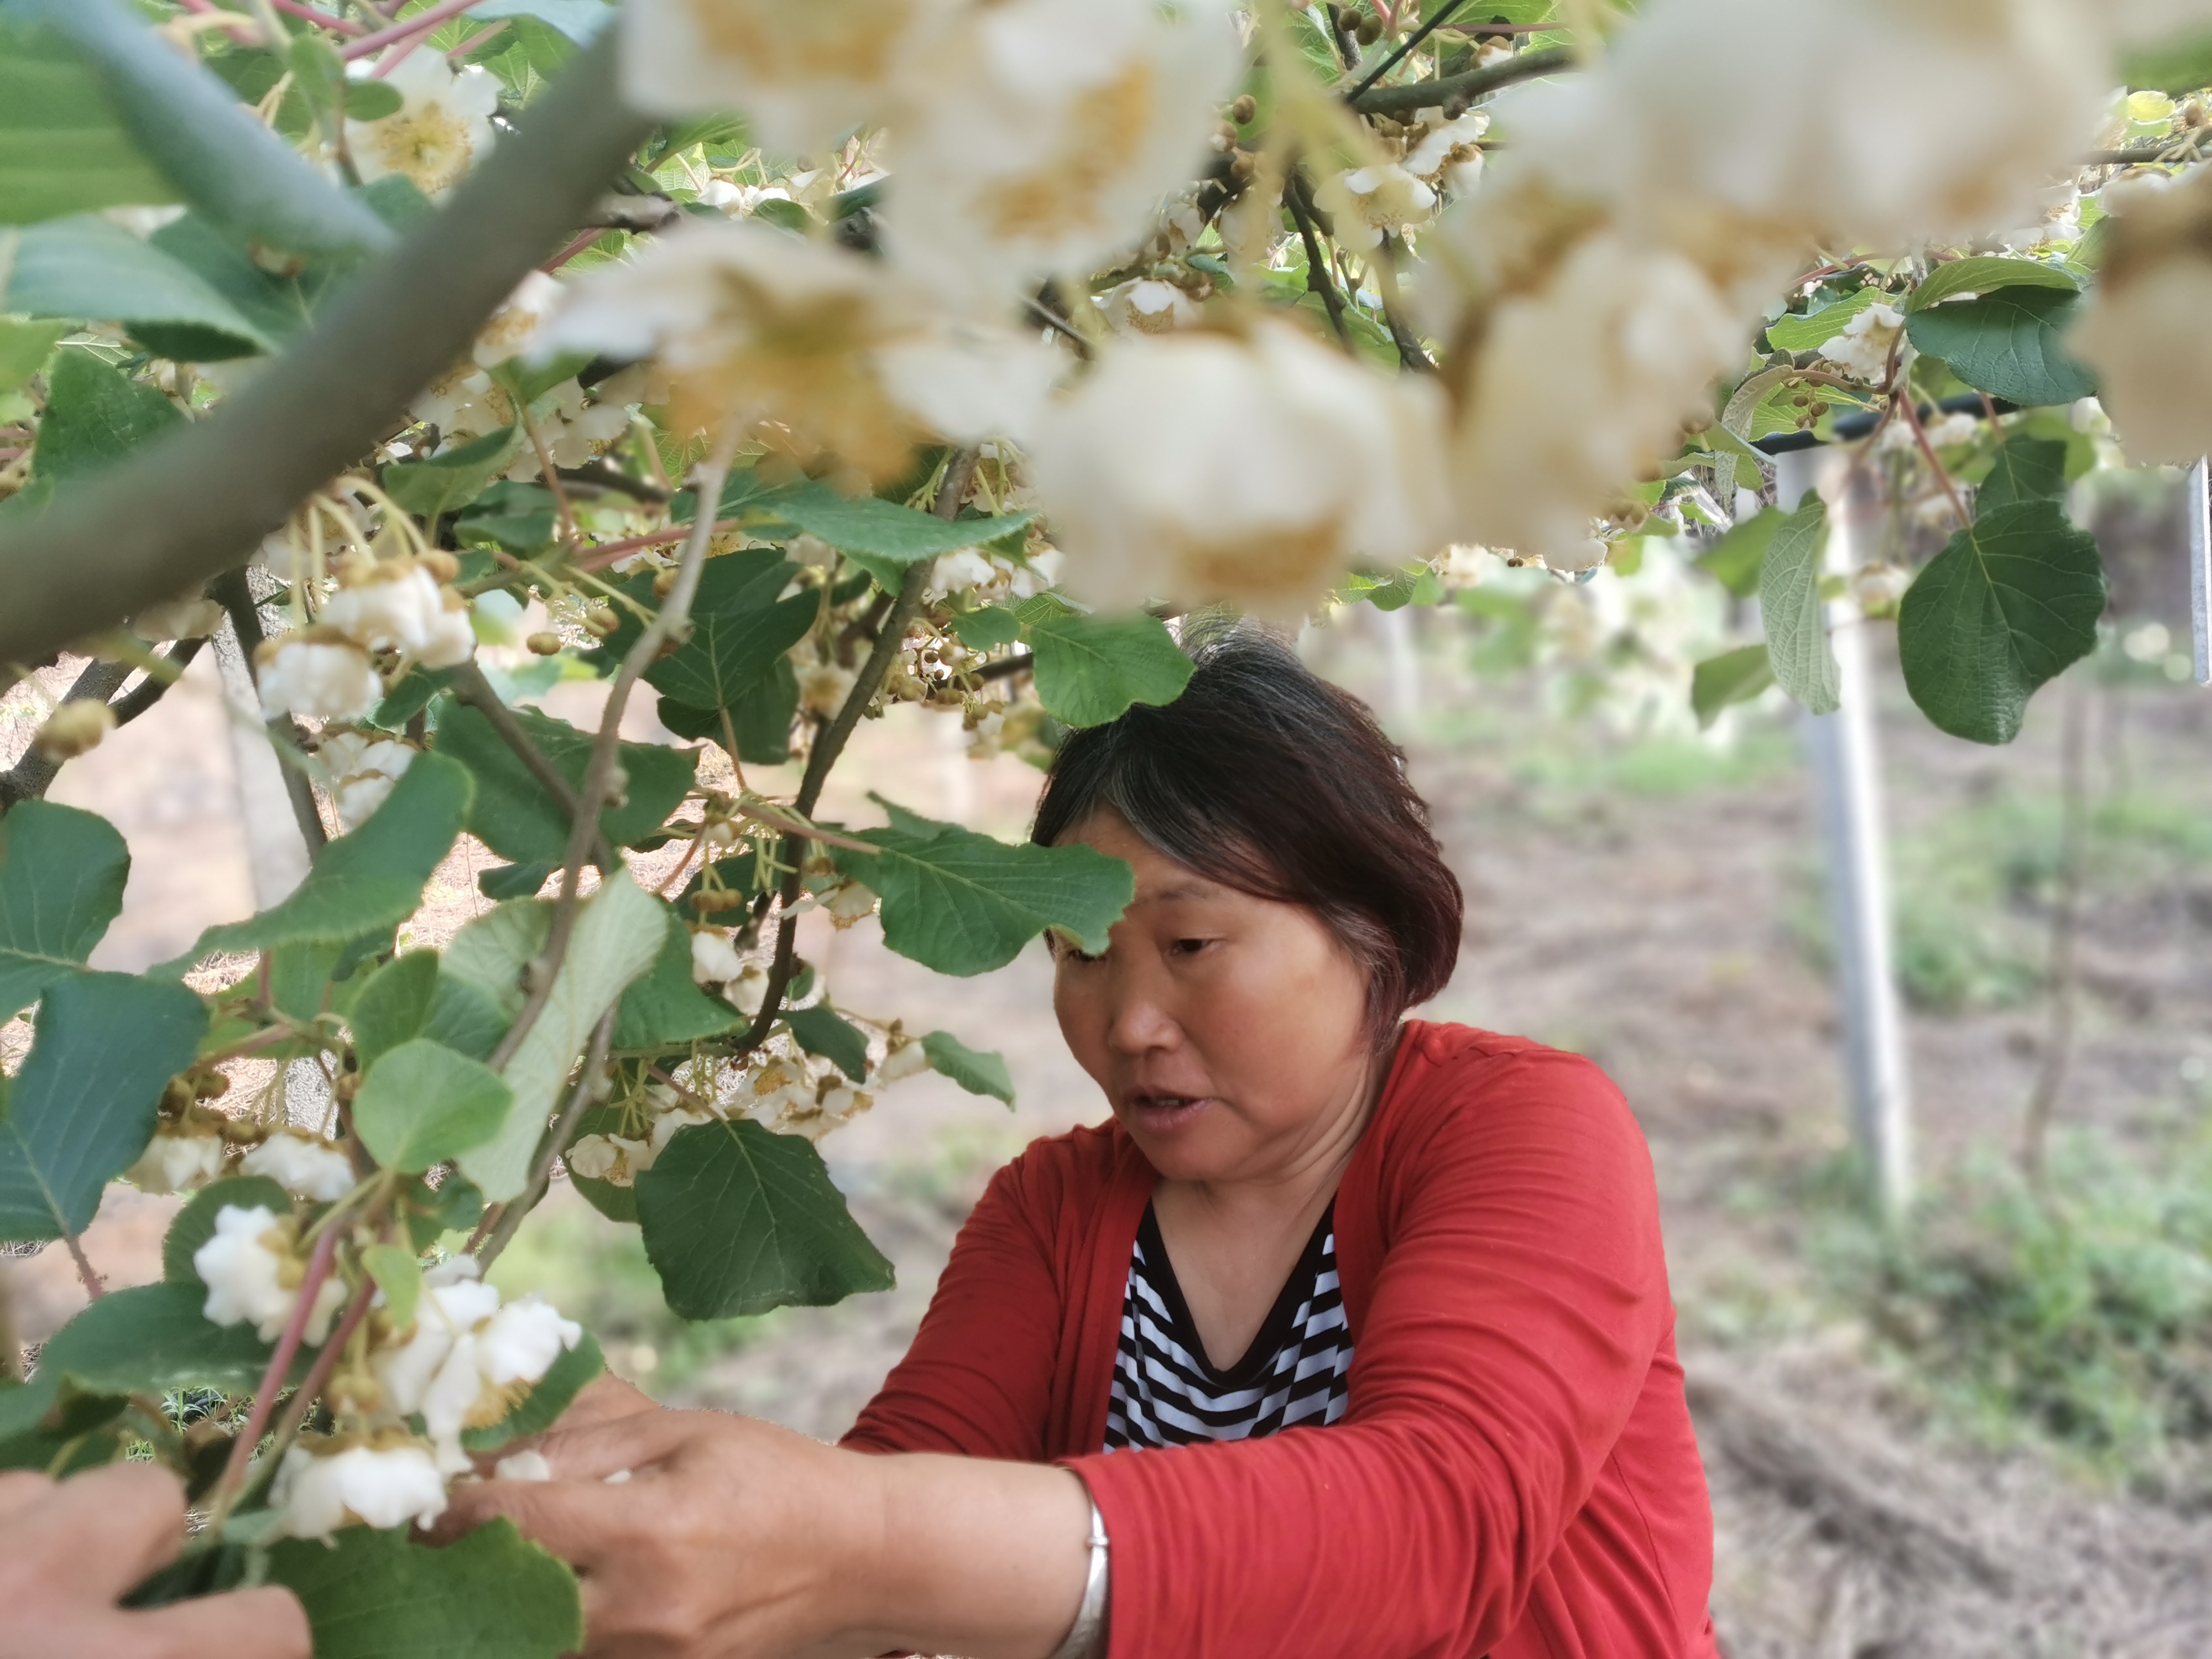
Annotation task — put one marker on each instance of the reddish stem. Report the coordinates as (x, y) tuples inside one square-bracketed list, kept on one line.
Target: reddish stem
[(476, 40), (243, 35), (272, 1379), (574, 248), (93, 1287), (326, 1361), (607, 552), (342, 25), (407, 28)]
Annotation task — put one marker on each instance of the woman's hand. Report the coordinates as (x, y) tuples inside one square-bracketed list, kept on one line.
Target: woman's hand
[(68, 1552), (732, 1538)]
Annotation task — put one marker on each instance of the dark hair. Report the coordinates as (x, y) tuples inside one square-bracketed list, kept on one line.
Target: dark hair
[(1264, 777)]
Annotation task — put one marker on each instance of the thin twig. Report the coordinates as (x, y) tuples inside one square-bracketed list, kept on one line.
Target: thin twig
[(326, 1361), (33, 774), (408, 29), (673, 621), (155, 686), (557, 1138), (1411, 354), (1300, 202), (951, 490), (272, 1378), (470, 686), (94, 1287), (1468, 86), (1407, 45), (231, 591)]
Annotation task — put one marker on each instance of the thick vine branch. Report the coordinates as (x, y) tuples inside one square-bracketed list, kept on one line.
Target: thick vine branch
[(1466, 87), (189, 506)]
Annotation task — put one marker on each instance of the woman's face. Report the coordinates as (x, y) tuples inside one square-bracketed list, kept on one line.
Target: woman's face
[(1225, 1029)]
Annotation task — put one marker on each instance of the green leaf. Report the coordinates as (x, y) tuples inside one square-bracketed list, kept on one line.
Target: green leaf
[(1792, 332), (513, 881), (62, 149), (62, 873), (26, 346), (279, 307), (2178, 65), (398, 1275), (665, 1009), (310, 977), (86, 269), (1985, 274), (1789, 603), (871, 531), (976, 1071), (1735, 560), (95, 415), (739, 629), (1090, 669), (821, 1032), (154, 1338), (455, 1206), (2009, 602), (963, 903), (195, 1223), (490, 1595), (2008, 344), (373, 877), (580, 19), (1732, 677), (738, 1220), (394, 1006), (421, 1104), (214, 152), (988, 629), (2026, 470), (458, 477), (576, 1368), (619, 931), (82, 1108), (512, 814)]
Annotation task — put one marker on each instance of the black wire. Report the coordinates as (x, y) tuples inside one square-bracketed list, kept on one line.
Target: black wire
[(1398, 57)]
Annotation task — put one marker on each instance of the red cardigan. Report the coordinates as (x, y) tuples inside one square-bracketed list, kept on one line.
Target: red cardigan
[(1515, 1475)]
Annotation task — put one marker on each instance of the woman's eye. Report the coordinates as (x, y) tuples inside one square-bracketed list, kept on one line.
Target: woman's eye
[(1189, 947), (1069, 953)]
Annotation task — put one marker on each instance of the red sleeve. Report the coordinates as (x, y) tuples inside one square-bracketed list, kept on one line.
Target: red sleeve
[(977, 1381), (1512, 1322)]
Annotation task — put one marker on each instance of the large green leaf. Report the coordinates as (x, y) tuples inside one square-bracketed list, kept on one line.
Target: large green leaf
[(25, 347), (2180, 64), (1985, 274), (2008, 344), (62, 873), (195, 1223), (538, 1410), (619, 931), (1793, 332), (81, 1108), (421, 1104), (963, 903), (2026, 470), (977, 1071), (86, 269), (512, 814), (213, 151), (663, 1009), (2011, 601), (443, 483), (62, 149), (154, 1338), (580, 19), (492, 1595), (1790, 603), (1732, 677), (880, 535), (278, 306), (739, 629), (1090, 669), (1735, 560), (95, 415), (738, 1220), (370, 878), (394, 1006)]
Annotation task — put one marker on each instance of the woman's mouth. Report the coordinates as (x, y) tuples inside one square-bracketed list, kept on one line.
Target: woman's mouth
[(1159, 1112)]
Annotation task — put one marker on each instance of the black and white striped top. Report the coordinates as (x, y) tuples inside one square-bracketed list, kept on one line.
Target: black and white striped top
[(1167, 1392)]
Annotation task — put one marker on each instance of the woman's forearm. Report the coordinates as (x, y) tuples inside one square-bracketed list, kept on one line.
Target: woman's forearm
[(961, 1555)]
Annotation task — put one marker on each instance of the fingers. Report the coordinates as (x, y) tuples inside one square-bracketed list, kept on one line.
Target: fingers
[(594, 1450), (257, 1624), (21, 1491), (575, 1520), (102, 1531), (606, 1397)]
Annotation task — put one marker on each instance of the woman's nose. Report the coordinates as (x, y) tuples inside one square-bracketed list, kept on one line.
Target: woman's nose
[(1137, 1017)]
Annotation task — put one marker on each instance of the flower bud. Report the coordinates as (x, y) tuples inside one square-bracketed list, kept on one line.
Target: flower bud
[(74, 728), (545, 645), (601, 621), (1244, 111), (665, 584)]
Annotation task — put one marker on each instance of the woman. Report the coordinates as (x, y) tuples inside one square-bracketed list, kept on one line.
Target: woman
[(1345, 1336)]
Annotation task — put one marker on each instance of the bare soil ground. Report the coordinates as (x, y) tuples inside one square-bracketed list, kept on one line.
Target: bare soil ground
[(1656, 907)]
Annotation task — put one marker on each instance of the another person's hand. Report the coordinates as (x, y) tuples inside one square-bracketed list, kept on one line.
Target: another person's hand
[(713, 1538), (67, 1550)]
